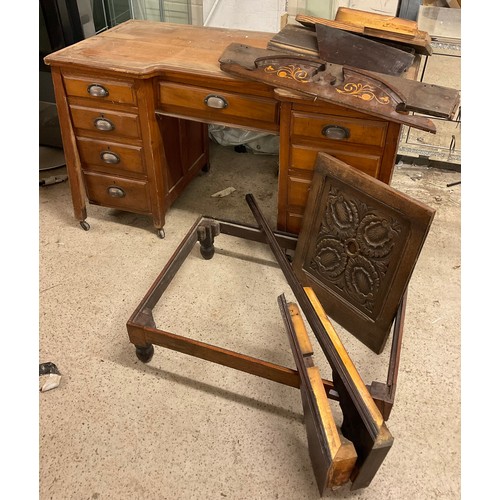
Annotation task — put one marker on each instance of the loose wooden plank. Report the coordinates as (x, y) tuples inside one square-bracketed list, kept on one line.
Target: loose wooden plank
[(348, 49), (337, 343), (421, 42), (295, 39), (381, 22), (333, 457)]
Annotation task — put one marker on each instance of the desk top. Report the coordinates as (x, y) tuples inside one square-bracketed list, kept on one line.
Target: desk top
[(146, 48)]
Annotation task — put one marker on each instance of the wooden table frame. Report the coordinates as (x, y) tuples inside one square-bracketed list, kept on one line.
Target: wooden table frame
[(143, 332)]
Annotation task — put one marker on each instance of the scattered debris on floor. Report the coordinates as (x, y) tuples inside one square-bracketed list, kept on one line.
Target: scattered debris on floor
[(54, 179), (224, 192), (49, 376)]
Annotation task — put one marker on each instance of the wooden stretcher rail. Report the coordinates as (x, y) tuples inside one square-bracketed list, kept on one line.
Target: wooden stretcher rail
[(142, 329), (143, 332)]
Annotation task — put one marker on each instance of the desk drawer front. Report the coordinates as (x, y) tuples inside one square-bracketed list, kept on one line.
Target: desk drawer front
[(110, 156), (106, 122), (100, 90), (218, 106), (112, 191), (304, 158), (331, 129)]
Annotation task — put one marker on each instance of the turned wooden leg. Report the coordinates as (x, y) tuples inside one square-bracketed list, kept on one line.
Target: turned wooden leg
[(207, 231)]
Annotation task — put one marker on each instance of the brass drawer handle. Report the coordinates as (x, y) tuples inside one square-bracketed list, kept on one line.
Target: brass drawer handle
[(109, 157), (103, 124), (336, 132), (216, 101), (96, 90), (116, 192)]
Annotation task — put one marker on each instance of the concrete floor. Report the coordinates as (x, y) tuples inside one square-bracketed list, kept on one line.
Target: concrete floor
[(183, 428)]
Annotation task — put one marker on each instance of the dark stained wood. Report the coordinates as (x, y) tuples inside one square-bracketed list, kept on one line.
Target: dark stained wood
[(384, 395), (363, 424), (421, 41), (296, 40), (348, 49), (371, 442), (143, 332), (358, 247), (380, 95)]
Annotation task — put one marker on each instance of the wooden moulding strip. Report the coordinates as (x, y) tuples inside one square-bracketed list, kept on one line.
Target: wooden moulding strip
[(332, 456)]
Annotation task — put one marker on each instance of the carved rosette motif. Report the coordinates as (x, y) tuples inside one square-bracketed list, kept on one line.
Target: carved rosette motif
[(353, 248)]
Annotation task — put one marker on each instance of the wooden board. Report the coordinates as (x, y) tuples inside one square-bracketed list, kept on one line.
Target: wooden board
[(372, 448), (380, 22), (333, 457), (358, 247), (348, 49), (421, 42), (296, 40)]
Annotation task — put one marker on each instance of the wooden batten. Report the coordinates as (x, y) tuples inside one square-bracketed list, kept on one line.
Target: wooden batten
[(333, 457)]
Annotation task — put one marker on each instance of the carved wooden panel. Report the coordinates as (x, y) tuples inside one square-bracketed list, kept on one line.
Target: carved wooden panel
[(358, 247)]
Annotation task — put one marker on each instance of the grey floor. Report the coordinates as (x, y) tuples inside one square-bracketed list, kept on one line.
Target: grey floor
[(183, 428)]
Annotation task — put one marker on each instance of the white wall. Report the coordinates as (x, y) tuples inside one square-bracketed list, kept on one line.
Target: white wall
[(253, 15)]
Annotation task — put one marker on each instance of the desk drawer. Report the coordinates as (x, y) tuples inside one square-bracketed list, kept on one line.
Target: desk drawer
[(100, 90), (304, 158), (110, 156), (216, 106), (105, 122), (331, 129), (116, 192)]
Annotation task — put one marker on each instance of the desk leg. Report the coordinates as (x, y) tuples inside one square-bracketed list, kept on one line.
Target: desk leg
[(70, 151)]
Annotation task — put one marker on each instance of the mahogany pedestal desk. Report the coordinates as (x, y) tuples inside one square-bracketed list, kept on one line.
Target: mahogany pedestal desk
[(134, 103)]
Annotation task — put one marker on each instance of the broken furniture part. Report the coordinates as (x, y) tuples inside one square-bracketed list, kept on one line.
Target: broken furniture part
[(296, 40), (348, 49), (384, 96), (332, 456), (370, 457), (363, 424), (358, 247), (420, 42), (384, 394), (144, 334), (377, 22)]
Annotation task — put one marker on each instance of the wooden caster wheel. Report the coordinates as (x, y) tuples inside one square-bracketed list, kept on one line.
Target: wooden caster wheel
[(144, 354), (206, 168), (160, 233), (85, 225)]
